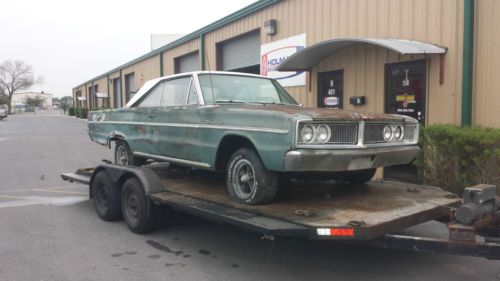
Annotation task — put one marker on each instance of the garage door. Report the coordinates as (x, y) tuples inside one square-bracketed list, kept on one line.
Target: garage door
[(241, 53), (188, 63)]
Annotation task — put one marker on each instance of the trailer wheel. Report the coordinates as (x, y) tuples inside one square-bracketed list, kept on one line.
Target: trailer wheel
[(248, 181), (357, 177), (138, 213), (106, 197), (124, 155)]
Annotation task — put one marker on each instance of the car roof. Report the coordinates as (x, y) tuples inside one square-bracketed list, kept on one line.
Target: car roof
[(151, 83)]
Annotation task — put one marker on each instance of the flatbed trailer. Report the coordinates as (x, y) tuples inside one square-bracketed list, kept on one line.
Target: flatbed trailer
[(367, 214)]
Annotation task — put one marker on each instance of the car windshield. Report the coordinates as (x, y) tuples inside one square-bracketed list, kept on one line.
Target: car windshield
[(224, 88)]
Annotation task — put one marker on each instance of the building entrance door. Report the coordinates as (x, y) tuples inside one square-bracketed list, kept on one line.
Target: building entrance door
[(331, 89), (405, 93)]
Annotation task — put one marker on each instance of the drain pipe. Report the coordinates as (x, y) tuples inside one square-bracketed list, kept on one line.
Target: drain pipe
[(468, 63)]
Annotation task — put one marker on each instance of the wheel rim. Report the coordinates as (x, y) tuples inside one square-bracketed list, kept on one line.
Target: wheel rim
[(101, 198), (243, 179), (132, 209), (122, 156)]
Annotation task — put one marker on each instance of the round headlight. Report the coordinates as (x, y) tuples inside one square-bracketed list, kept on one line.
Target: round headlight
[(307, 133), (398, 132), (323, 133), (388, 133)]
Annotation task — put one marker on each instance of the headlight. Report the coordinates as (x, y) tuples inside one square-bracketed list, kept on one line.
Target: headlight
[(307, 134), (398, 132), (323, 133), (388, 134)]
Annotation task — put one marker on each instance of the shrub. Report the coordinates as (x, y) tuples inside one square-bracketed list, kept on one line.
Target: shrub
[(453, 157), (83, 113), (71, 111)]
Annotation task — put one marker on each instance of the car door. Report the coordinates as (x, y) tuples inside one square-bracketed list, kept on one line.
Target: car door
[(176, 123)]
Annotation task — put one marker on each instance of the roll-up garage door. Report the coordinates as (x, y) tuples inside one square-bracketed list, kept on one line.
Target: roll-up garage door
[(241, 52), (188, 63)]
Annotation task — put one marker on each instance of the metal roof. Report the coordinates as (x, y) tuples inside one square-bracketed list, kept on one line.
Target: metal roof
[(308, 57)]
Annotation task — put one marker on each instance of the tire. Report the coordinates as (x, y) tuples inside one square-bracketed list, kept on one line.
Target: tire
[(248, 181), (357, 177), (125, 157), (138, 213), (106, 197)]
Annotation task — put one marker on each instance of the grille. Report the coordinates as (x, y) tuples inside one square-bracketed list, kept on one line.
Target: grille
[(374, 132), (344, 133)]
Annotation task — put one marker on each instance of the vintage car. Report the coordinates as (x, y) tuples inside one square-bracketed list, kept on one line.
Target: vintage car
[(249, 127)]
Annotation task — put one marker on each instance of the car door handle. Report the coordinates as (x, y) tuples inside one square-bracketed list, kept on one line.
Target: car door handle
[(151, 116)]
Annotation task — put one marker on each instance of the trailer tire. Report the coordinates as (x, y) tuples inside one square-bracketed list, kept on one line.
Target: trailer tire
[(124, 155), (138, 212), (248, 181), (106, 197)]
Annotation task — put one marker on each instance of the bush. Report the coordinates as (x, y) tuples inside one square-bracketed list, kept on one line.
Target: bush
[(83, 113), (453, 157), (71, 111)]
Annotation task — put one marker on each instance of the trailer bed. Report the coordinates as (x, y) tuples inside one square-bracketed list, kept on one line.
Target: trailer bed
[(372, 210)]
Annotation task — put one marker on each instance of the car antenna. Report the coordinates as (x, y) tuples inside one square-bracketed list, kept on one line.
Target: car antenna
[(210, 76)]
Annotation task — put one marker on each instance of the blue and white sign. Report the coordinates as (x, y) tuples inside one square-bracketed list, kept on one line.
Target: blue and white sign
[(273, 54)]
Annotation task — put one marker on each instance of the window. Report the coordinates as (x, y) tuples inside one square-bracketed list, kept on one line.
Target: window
[(153, 99), (175, 92), (193, 95)]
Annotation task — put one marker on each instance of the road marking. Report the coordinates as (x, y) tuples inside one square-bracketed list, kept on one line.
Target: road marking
[(59, 191), (11, 197), (46, 189), (41, 200)]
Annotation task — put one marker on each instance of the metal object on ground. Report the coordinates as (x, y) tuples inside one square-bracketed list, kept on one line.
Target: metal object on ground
[(478, 202)]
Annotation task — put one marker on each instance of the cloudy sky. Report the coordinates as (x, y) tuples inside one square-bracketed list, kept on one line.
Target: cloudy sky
[(68, 42)]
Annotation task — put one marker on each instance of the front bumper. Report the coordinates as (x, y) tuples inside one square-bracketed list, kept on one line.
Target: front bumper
[(330, 160)]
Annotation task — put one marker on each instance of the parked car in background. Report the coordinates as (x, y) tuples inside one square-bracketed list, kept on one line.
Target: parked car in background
[(251, 128), (4, 109)]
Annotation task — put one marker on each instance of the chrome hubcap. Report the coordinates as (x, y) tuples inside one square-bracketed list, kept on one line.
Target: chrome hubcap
[(243, 179), (122, 156)]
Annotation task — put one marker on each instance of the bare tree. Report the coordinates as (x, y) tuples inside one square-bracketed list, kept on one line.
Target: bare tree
[(15, 76), (66, 102)]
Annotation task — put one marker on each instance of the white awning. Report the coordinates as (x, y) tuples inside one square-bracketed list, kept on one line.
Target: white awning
[(101, 95), (308, 57), (82, 98)]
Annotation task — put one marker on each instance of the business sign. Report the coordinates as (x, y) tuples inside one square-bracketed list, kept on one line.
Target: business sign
[(273, 54)]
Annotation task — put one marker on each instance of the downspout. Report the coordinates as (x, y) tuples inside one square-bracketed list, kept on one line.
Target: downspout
[(468, 63), (121, 91), (108, 103), (161, 64), (202, 51)]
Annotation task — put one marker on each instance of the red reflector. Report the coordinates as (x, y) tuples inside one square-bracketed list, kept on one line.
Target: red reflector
[(341, 232)]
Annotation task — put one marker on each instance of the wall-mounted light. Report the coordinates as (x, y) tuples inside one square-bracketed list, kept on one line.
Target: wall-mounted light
[(270, 27), (110, 81)]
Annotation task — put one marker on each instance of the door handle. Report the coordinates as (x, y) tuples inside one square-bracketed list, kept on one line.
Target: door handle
[(151, 116)]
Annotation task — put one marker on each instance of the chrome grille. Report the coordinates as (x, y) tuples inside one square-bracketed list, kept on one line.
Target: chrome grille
[(344, 133), (409, 132), (374, 133)]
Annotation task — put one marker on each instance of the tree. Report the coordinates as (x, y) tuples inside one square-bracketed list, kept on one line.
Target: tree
[(15, 76), (34, 102), (66, 102)]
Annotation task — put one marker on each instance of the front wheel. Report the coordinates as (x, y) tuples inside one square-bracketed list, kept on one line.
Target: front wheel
[(248, 181)]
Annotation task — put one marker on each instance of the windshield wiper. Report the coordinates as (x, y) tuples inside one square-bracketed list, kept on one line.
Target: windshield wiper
[(229, 101)]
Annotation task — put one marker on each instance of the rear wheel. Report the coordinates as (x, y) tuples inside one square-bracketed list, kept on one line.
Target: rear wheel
[(125, 157), (356, 177), (138, 213), (106, 197), (248, 181)]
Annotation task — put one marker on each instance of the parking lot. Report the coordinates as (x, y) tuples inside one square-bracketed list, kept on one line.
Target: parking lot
[(49, 230)]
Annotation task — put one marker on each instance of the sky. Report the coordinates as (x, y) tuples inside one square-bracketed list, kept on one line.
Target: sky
[(69, 42)]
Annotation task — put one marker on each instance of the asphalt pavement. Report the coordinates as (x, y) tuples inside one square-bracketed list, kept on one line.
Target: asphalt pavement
[(49, 229)]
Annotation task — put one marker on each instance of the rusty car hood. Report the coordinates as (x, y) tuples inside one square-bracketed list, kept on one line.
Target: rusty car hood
[(316, 113)]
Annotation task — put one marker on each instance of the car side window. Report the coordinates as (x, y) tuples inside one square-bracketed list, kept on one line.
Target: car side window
[(175, 92), (193, 95), (153, 99)]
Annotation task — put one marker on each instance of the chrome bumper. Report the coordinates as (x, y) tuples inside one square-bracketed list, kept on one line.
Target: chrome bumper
[(302, 160)]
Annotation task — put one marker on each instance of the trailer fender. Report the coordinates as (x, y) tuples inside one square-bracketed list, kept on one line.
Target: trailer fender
[(119, 174)]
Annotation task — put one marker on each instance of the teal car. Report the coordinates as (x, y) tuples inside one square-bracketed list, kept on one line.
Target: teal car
[(249, 127)]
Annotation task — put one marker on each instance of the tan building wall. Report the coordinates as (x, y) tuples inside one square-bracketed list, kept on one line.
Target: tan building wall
[(143, 71), (437, 22), (170, 56), (486, 96)]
